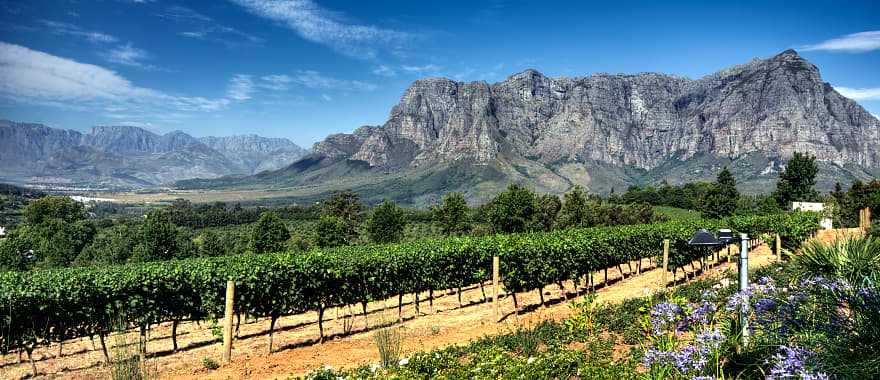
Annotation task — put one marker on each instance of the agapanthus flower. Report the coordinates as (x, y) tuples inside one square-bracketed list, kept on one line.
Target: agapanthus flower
[(793, 363), (663, 315)]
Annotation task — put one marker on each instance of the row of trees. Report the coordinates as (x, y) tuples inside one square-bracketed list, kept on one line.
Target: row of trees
[(721, 198)]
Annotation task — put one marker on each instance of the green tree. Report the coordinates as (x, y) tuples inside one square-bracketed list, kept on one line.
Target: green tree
[(346, 206), (211, 243), (386, 223), (721, 199), (112, 245), (796, 182), (452, 215), (331, 232), (575, 211), (270, 234), (53, 207), (548, 206), (513, 210), (158, 238), (14, 253)]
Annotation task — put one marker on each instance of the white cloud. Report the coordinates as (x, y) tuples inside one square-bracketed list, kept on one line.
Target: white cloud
[(241, 87), (127, 55), (859, 93), (277, 82), (429, 68), (67, 29), (315, 80), (326, 97), (34, 77), (854, 43), (875, 116), (205, 28), (328, 28), (385, 71)]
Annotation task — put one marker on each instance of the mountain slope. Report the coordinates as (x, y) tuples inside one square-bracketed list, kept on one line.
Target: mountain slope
[(130, 157), (601, 131)]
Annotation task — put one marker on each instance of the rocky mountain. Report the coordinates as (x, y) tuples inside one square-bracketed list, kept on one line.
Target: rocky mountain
[(130, 157), (601, 131)]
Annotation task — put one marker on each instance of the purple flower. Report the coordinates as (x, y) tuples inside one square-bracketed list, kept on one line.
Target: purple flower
[(793, 363), (663, 315)]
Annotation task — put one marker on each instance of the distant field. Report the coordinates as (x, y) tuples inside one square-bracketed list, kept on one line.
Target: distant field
[(676, 213)]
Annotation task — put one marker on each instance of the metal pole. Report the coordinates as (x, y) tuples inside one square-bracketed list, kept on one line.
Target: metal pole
[(743, 285)]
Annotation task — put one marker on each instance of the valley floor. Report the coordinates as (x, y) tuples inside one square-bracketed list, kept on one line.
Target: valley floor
[(297, 350)]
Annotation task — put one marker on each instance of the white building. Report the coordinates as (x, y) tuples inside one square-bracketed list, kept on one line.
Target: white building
[(826, 222)]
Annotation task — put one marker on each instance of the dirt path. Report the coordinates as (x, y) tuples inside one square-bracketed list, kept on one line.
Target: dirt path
[(297, 351)]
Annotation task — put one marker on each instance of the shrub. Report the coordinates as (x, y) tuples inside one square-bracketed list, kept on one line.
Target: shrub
[(855, 259), (210, 363)]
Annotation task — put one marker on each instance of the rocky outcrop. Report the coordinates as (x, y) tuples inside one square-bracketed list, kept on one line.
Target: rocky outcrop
[(772, 107)]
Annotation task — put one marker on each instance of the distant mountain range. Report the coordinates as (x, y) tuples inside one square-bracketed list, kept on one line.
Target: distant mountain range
[(130, 157), (602, 131)]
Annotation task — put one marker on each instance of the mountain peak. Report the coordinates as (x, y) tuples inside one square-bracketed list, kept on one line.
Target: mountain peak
[(789, 53)]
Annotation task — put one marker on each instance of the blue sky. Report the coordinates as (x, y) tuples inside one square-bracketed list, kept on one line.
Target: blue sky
[(303, 69)]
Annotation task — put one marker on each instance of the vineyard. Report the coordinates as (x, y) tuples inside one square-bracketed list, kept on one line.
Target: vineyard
[(53, 305)]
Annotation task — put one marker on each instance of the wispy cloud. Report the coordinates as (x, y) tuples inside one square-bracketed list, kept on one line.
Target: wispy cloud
[(34, 77), (385, 71), (315, 80), (67, 29), (277, 82), (204, 27), (128, 55), (240, 87), (429, 68), (325, 27), (859, 93), (854, 43), (327, 98)]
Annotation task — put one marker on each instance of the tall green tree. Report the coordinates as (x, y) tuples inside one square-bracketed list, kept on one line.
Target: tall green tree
[(513, 210), (346, 206), (721, 199), (575, 211), (53, 207), (386, 223), (797, 181), (270, 234), (112, 245), (452, 215), (158, 240), (54, 233), (331, 232), (548, 206)]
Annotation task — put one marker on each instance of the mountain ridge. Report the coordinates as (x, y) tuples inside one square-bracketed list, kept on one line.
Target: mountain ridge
[(131, 157), (601, 131)]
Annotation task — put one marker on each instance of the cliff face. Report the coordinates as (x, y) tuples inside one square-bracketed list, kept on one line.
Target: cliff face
[(772, 107)]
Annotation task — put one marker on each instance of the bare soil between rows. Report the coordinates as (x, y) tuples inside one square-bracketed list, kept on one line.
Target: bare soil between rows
[(297, 350)]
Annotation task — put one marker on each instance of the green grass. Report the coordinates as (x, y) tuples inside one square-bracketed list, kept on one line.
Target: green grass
[(675, 213)]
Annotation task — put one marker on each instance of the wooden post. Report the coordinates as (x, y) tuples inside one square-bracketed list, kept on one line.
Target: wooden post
[(227, 321), (867, 218), (778, 248), (495, 279), (665, 261)]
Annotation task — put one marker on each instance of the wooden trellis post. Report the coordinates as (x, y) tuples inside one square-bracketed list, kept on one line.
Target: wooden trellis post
[(495, 279), (227, 321), (665, 262), (778, 248)]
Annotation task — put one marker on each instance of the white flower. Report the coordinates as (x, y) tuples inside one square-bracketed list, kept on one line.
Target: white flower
[(403, 361), (375, 367), (531, 360)]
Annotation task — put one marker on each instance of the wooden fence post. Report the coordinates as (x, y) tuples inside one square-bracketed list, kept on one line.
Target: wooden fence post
[(665, 261), (778, 248), (227, 322), (495, 278)]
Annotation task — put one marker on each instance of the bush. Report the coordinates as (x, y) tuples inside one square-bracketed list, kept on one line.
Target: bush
[(855, 259), (210, 363)]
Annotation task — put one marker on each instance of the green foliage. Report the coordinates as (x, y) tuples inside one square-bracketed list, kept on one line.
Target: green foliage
[(688, 196), (270, 234), (796, 182), (721, 199), (53, 207), (386, 223), (548, 206), (331, 232), (43, 305), (513, 210), (859, 196), (855, 259), (209, 363), (452, 215), (158, 238), (346, 206), (388, 343), (574, 211), (113, 245)]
